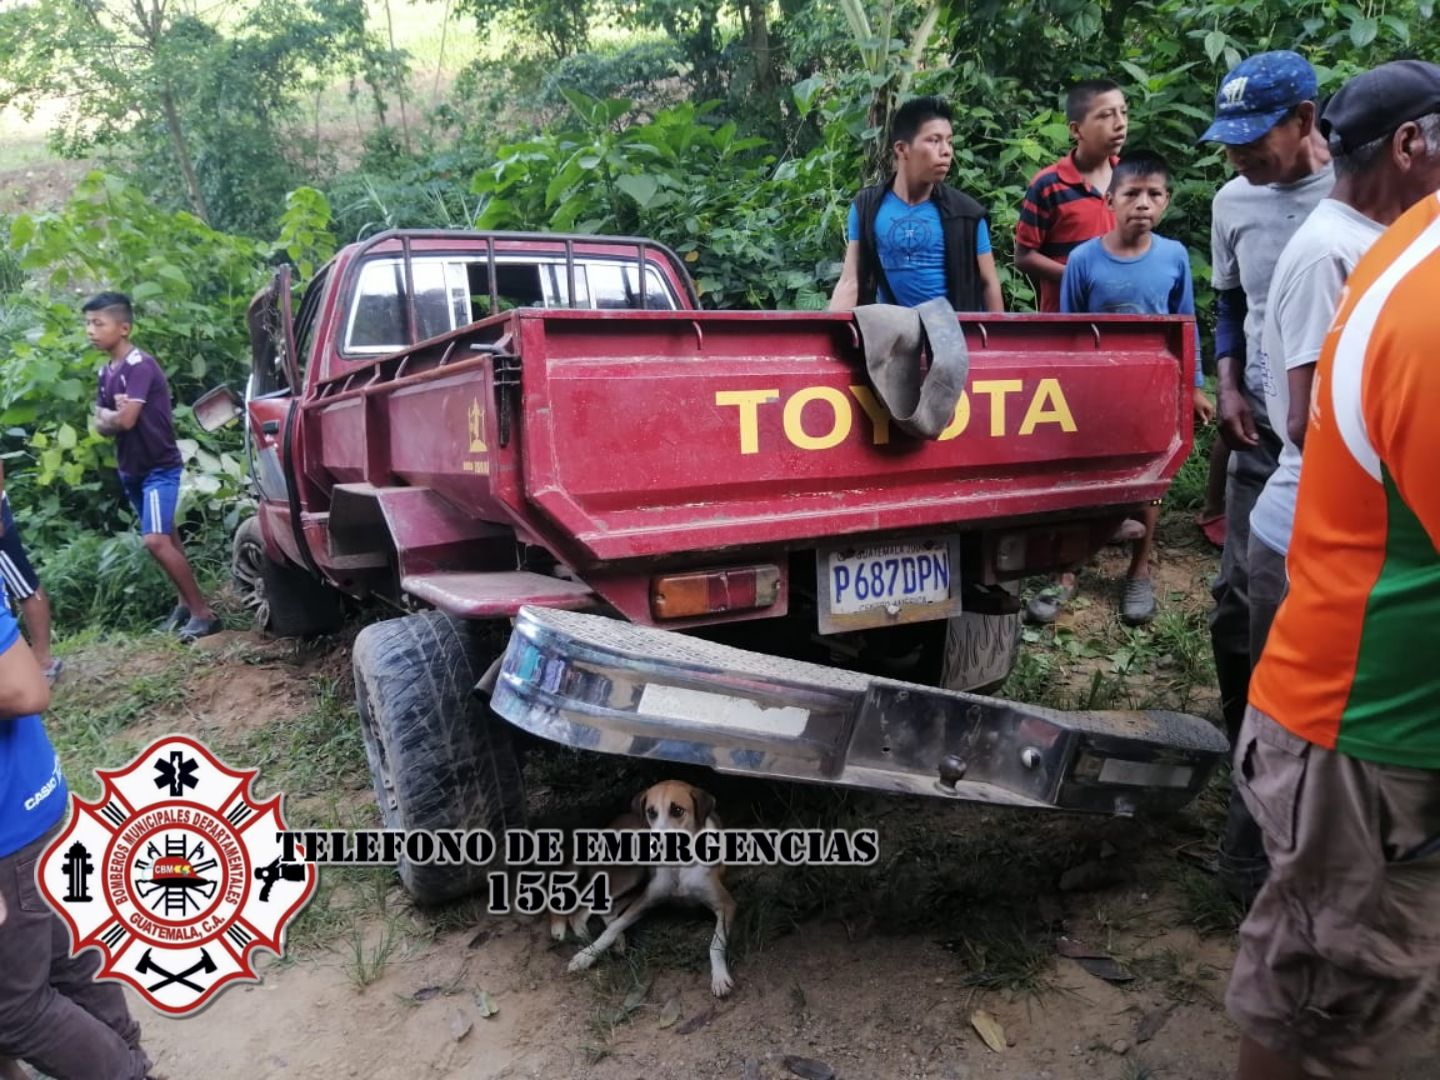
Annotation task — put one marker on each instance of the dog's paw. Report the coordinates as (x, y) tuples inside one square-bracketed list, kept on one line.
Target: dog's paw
[(582, 960), (721, 984), (557, 929)]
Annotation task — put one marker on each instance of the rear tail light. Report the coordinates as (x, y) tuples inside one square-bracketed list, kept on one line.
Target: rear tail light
[(706, 592), (1036, 549)]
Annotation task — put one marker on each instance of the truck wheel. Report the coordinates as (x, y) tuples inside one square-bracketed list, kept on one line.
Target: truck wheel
[(980, 651), (286, 602), (440, 759)]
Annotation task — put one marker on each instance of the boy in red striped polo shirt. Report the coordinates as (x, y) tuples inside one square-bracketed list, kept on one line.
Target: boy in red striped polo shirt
[(1064, 207), (1065, 203)]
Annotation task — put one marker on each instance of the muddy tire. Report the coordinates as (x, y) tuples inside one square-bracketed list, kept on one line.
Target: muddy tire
[(980, 651), (440, 759), (284, 601)]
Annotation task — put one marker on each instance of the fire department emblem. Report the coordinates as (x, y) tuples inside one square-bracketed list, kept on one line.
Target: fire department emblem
[(175, 875)]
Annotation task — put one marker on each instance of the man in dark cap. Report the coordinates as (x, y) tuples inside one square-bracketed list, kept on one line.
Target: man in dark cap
[(1265, 117), (1338, 970), (1383, 132)]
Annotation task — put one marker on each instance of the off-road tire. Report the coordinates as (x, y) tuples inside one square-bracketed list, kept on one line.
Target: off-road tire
[(440, 759), (285, 601)]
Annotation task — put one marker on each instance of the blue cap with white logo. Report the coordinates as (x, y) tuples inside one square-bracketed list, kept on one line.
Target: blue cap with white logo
[(1256, 95)]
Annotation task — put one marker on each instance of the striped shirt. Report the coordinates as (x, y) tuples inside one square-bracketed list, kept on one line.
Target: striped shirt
[(1350, 663), (1060, 212)]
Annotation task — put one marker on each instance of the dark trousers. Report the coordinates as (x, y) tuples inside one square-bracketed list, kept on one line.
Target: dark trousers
[(53, 1014), (1268, 586), (1242, 853)]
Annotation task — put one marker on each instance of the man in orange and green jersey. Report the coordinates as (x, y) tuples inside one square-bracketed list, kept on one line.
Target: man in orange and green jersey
[(1339, 755)]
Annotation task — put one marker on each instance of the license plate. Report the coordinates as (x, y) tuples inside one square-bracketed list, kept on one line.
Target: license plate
[(888, 584)]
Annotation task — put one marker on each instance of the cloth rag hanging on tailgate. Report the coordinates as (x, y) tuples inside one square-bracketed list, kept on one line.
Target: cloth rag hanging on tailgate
[(893, 339)]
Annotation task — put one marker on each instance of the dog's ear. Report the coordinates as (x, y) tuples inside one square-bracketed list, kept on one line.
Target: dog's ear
[(704, 805), (637, 805)]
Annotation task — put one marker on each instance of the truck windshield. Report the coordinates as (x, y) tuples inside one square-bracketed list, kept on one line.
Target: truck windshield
[(454, 291)]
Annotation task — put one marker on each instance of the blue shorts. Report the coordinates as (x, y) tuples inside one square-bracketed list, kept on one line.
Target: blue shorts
[(154, 497), (19, 578)]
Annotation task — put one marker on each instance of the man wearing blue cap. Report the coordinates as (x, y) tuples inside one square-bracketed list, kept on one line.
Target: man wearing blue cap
[(1265, 117)]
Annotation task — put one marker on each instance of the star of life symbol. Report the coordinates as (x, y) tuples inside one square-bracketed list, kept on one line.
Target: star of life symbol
[(188, 879)]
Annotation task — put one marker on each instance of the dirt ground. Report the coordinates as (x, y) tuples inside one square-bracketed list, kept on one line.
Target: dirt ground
[(857, 973)]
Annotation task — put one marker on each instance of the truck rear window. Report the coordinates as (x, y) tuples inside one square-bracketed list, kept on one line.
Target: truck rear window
[(451, 292)]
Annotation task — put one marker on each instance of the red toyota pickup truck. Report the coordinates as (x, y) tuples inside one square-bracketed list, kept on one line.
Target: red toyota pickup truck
[(625, 524)]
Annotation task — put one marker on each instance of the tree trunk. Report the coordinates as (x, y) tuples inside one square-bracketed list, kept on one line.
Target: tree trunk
[(758, 32), (401, 85), (182, 155)]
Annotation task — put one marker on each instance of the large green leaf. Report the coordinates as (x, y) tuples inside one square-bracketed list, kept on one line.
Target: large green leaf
[(641, 188)]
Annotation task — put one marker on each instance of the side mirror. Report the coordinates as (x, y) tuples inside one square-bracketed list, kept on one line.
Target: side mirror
[(218, 408)]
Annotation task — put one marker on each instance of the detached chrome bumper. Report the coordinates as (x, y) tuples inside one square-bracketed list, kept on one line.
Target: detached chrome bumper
[(600, 684)]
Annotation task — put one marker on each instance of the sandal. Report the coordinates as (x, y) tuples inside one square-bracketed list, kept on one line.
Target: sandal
[(1213, 527)]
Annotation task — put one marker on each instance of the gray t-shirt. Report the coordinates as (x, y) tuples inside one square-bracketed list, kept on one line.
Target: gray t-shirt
[(1249, 226), (1309, 275)]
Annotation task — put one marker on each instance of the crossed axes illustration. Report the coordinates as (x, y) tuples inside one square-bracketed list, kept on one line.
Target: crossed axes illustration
[(205, 965)]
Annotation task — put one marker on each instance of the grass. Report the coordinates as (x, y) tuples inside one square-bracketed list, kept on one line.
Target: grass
[(1187, 491), (1206, 906), (1183, 979), (1100, 663), (95, 711), (116, 692), (368, 960), (321, 751)]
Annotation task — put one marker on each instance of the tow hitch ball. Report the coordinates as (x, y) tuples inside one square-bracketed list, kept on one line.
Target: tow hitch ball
[(952, 769)]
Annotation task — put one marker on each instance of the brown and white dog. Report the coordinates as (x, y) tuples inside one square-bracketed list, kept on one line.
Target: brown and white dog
[(635, 889)]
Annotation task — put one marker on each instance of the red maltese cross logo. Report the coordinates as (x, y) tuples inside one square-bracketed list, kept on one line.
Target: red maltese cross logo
[(175, 875)]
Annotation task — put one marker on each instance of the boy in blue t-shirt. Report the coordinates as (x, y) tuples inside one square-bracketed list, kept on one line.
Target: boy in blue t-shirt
[(53, 1013), (1130, 270)]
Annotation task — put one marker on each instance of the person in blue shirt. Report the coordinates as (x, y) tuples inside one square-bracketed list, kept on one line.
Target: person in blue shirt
[(53, 1014), (912, 237), (1133, 271)]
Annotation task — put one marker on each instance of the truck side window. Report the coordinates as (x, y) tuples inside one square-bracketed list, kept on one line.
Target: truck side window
[(517, 283), (615, 286), (377, 322), (307, 322), (453, 291)]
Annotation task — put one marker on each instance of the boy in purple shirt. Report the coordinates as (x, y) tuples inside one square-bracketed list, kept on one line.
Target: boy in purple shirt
[(133, 405)]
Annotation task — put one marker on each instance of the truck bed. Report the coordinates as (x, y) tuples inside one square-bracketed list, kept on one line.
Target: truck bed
[(637, 438), (645, 434)]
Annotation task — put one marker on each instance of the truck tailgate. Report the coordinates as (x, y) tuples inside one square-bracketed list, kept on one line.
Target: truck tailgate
[(647, 433)]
